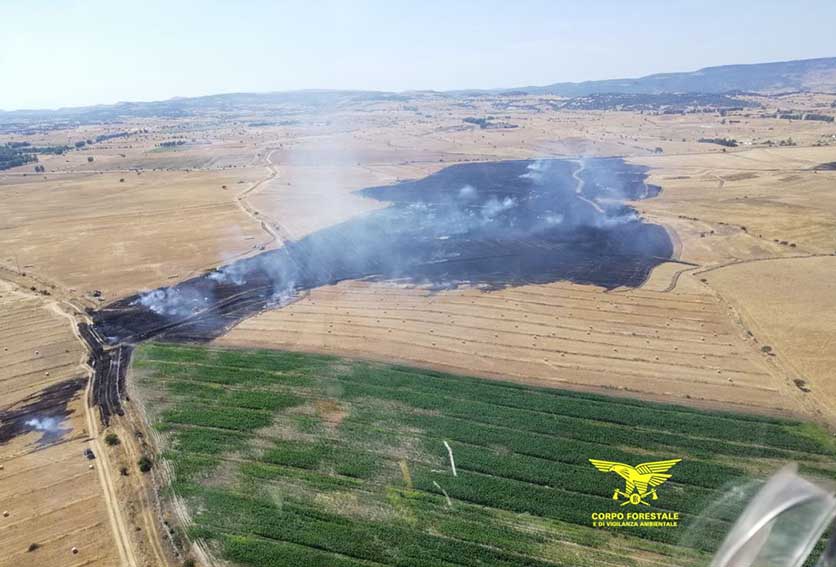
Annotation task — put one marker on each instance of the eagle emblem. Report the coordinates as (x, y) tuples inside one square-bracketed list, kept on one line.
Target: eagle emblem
[(641, 480)]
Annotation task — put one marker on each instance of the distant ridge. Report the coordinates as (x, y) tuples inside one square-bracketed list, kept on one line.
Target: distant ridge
[(813, 75), (766, 78)]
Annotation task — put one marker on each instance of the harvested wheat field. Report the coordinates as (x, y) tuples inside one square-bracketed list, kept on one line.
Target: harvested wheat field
[(51, 492), (640, 247), (87, 232), (792, 315), (676, 347), (769, 202)]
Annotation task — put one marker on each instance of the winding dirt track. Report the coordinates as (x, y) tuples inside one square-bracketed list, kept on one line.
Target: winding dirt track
[(105, 391), (53, 495), (579, 189), (117, 521), (276, 232)]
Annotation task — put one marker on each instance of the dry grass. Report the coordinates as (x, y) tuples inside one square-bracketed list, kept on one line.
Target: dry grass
[(87, 231), (53, 498), (78, 228), (677, 347)]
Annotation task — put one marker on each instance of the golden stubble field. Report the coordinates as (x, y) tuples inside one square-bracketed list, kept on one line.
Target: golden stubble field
[(722, 208), (49, 490), (756, 222)]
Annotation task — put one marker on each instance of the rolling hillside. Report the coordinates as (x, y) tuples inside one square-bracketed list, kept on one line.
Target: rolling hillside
[(782, 76)]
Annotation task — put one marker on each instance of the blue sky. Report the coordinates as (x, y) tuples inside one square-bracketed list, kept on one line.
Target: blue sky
[(69, 53)]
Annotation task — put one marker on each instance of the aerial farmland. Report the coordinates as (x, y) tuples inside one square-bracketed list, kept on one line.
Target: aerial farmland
[(373, 328)]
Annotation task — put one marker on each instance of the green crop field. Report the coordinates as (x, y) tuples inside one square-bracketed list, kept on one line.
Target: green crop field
[(292, 459)]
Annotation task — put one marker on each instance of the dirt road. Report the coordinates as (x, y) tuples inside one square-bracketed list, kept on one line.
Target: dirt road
[(579, 189), (117, 521)]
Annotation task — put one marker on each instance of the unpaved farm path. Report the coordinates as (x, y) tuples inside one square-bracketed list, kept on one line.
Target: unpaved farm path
[(275, 230), (276, 233), (103, 466), (150, 525), (114, 511), (579, 188)]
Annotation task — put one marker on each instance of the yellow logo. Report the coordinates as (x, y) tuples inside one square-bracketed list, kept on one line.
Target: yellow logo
[(641, 480)]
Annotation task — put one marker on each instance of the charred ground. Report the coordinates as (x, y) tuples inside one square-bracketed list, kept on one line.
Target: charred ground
[(43, 413), (490, 225)]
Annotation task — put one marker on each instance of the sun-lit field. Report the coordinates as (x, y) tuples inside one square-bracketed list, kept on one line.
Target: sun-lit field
[(281, 455), (739, 320), (667, 346), (50, 492)]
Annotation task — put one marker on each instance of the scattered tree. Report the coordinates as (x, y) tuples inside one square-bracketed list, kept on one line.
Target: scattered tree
[(727, 142), (145, 463)]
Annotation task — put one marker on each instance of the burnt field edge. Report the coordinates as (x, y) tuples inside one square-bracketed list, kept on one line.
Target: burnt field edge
[(492, 225)]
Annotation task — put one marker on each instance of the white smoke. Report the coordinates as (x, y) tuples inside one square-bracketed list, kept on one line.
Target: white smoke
[(45, 424), (232, 273), (284, 296), (173, 301), (467, 192), (395, 242), (494, 206), (536, 169), (625, 216)]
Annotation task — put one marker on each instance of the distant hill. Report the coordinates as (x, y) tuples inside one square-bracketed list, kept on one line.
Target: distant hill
[(767, 78), (183, 106)]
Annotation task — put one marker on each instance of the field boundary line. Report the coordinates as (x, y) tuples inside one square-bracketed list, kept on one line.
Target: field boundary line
[(656, 363)]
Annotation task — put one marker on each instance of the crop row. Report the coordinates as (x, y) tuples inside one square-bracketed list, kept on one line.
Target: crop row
[(379, 541), (508, 494), (308, 491), (251, 367), (745, 431), (313, 455), (271, 361), (469, 429), (249, 399), (221, 374), (573, 478), (600, 432), (220, 417), (573, 482)]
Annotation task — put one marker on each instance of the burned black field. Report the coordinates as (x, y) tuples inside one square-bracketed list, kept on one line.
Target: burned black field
[(491, 225), (44, 413)]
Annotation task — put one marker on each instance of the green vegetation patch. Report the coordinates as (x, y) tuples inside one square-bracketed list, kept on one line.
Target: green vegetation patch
[(293, 459)]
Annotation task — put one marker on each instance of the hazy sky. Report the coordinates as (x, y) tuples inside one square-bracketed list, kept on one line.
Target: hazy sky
[(69, 53)]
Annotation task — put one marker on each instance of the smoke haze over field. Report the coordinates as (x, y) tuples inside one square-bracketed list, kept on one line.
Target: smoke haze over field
[(44, 413), (489, 225)]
